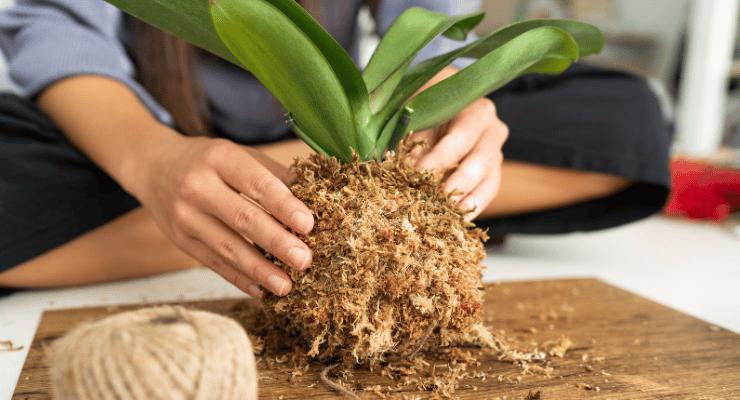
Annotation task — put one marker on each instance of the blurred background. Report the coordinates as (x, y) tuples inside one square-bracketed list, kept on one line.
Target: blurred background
[(689, 50)]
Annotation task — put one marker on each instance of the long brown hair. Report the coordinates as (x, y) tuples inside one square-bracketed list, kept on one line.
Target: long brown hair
[(167, 68)]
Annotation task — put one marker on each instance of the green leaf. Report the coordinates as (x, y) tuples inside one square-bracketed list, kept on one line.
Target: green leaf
[(408, 35), (341, 62), (317, 82), (303, 136), (191, 20), (291, 66), (588, 37), (392, 133), (187, 19), (380, 96), (544, 50)]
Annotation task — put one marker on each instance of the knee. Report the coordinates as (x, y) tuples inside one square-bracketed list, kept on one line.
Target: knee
[(641, 138), (644, 104)]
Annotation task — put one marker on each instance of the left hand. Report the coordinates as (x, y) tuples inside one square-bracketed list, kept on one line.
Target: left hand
[(470, 144)]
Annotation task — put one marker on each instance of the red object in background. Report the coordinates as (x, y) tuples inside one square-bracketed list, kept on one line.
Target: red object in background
[(701, 191)]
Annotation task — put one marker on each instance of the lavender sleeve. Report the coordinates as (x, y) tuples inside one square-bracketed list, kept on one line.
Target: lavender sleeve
[(48, 40), (390, 9)]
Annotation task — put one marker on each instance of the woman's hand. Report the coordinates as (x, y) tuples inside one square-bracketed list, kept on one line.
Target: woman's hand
[(211, 197), (471, 144), (216, 200)]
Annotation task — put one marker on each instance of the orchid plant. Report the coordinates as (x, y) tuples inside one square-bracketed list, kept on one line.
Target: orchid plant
[(341, 111)]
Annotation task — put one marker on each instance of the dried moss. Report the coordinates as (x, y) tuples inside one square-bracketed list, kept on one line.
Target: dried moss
[(534, 395), (7, 345), (396, 268)]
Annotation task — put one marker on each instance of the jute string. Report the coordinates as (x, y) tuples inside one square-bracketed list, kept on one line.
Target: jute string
[(155, 353)]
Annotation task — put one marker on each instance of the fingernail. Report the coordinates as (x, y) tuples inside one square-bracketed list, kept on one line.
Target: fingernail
[(278, 284), (254, 291), (302, 221), (299, 257)]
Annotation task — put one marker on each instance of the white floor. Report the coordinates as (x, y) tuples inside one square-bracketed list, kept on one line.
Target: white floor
[(689, 266)]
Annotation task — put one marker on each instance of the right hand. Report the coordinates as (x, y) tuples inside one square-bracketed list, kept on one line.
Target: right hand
[(215, 199)]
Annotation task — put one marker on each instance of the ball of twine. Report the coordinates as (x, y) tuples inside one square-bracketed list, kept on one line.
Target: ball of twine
[(155, 353)]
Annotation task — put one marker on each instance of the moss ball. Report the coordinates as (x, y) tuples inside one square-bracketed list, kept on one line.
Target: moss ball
[(396, 267)]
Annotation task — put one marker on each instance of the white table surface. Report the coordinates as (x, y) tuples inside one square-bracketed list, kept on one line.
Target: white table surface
[(692, 267)]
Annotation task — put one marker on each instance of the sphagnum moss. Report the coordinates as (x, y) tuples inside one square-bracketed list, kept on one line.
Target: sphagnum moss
[(396, 267)]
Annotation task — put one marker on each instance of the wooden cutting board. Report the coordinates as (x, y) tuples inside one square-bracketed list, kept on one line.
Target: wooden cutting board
[(624, 345)]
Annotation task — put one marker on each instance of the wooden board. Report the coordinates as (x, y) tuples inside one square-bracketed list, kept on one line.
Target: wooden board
[(649, 351)]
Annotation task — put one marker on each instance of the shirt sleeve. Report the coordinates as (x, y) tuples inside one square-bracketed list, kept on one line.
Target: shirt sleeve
[(47, 40), (390, 9)]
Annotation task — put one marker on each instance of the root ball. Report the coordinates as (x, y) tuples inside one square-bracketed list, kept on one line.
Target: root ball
[(396, 267)]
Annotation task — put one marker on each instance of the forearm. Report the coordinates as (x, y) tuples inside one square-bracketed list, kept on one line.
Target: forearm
[(106, 121)]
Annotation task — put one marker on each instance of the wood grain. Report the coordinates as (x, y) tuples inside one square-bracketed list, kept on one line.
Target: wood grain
[(649, 351)]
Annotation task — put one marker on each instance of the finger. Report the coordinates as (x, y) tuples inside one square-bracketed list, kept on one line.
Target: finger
[(240, 171), (219, 265), (427, 137), (478, 164), (482, 195), (462, 134), (242, 256), (283, 173), (252, 222)]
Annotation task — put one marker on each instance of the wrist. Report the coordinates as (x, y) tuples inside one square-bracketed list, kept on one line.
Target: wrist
[(144, 158)]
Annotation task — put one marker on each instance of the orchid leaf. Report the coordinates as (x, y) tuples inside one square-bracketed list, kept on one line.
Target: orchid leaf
[(326, 96), (339, 60), (589, 40), (189, 20), (544, 50), (291, 66), (406, 37)]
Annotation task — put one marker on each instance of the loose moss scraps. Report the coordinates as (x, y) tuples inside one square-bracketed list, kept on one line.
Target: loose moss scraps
[(7, 345), (396, 267), (534, 396), (439, 371)]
